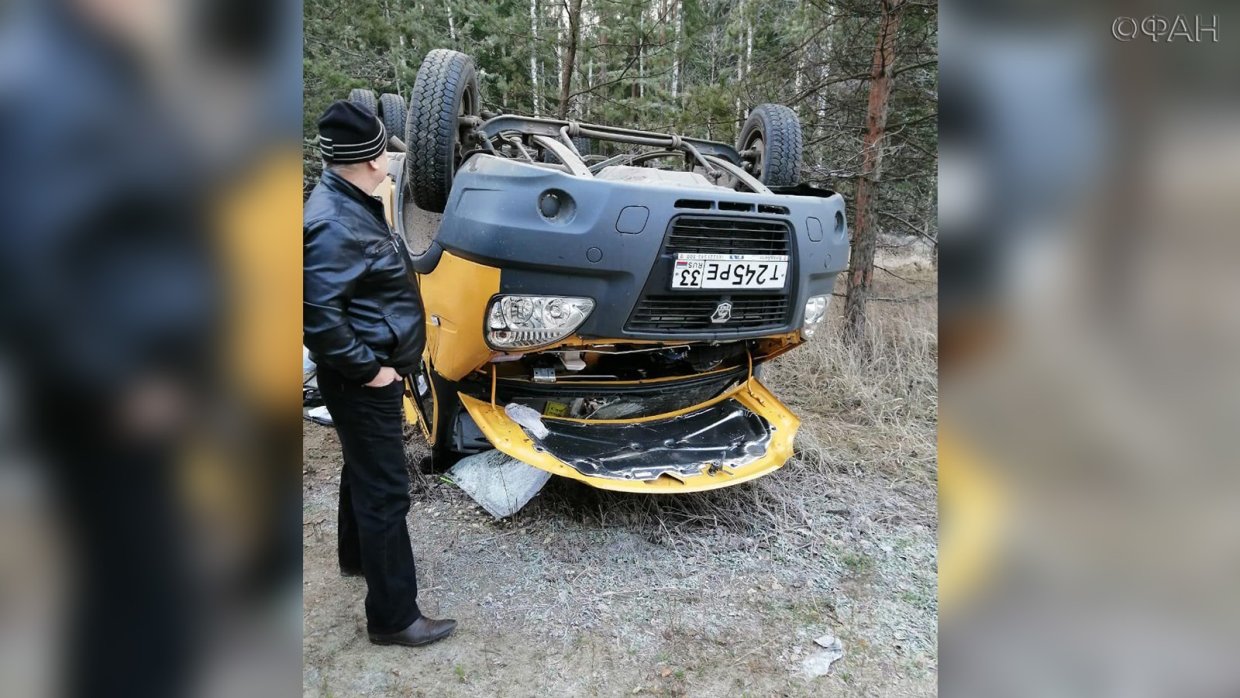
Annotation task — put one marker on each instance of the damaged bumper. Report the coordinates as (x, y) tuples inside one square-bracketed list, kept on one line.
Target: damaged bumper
[(740, 435)]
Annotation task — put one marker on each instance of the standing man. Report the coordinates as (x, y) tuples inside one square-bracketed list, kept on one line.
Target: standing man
[(364, 327)]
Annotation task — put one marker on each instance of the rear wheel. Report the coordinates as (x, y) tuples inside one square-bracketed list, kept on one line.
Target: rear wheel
[(446, 89), (365, 99), (392, 111), (771, 143)]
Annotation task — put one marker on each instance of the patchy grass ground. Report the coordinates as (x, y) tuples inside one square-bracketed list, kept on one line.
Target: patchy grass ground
[(591, 593)]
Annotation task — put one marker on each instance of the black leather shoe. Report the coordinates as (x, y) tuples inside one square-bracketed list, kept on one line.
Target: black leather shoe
[(424, 631)]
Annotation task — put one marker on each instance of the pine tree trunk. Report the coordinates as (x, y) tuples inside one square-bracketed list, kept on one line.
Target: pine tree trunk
[(680, 27), (641, 56), (824, 72), (740, 75), (570, 58), (534, 54), (400, 65), (865, 227), (799, 73), (748, 47), (590, 86), (559, 50)]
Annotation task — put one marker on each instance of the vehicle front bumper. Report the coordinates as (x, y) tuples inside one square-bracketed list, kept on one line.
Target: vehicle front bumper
[(740, 435)]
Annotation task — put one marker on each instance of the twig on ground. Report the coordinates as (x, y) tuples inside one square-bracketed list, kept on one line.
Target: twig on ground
[(905, 299), (652, 590)]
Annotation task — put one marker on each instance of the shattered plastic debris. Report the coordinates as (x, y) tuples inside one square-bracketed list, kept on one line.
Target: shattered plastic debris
[(498, 482), (320, 415), (527, 417), (819, 663), (828, 641)]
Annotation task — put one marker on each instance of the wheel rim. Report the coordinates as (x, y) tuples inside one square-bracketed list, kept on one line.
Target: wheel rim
[(467, 107), (758, 145)]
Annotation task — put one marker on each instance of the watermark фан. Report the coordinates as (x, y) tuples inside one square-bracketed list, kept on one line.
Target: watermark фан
[(1157, 28)]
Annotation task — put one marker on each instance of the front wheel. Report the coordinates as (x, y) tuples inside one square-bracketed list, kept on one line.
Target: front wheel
[(446, 89), (770, 144)]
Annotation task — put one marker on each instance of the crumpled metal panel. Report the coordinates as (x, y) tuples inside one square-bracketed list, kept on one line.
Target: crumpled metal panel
[(722, 436)]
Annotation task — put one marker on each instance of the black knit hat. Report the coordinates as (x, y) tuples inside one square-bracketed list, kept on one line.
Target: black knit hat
[(349, 133)]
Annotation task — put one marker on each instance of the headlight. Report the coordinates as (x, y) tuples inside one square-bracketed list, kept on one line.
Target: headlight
[(815, 313), (526, 322)]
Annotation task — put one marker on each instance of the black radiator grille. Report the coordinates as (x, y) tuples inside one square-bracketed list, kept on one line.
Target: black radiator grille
[(707, 235), (679, 313), (684, 312)]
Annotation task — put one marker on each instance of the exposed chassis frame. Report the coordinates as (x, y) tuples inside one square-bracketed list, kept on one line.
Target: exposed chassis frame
[(715, 158)]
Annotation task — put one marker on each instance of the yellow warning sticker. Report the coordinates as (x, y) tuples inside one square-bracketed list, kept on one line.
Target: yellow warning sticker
[(556, 409)]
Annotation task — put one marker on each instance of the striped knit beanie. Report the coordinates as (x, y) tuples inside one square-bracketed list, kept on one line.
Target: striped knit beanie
[(349, 133)]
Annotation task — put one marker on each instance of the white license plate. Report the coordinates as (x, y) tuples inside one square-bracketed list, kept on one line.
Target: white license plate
[(730, 271)]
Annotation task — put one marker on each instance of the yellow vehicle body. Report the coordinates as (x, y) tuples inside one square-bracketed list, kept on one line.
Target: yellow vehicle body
[(456, 295)]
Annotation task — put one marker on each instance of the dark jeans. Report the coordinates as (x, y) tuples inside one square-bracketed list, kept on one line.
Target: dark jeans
[(374, 497)]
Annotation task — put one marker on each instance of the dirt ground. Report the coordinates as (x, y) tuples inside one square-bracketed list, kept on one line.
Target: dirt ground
[(591, 593)]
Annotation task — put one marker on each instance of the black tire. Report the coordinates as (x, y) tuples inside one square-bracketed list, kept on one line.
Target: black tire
[(446, 88), (774, 131), (442, 422), (392, 111), (443, 454), (365, 99)]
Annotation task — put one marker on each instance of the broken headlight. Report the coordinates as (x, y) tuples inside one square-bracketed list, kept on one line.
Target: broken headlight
[(527, 322), (815, 313)]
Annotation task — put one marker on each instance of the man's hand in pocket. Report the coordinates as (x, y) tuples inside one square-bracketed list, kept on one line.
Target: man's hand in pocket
[(387, 376)]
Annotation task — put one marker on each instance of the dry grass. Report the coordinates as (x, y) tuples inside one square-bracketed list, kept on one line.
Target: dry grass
[(873, 405)]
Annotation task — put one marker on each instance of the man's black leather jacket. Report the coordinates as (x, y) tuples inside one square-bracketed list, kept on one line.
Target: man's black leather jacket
[(362, 309)]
